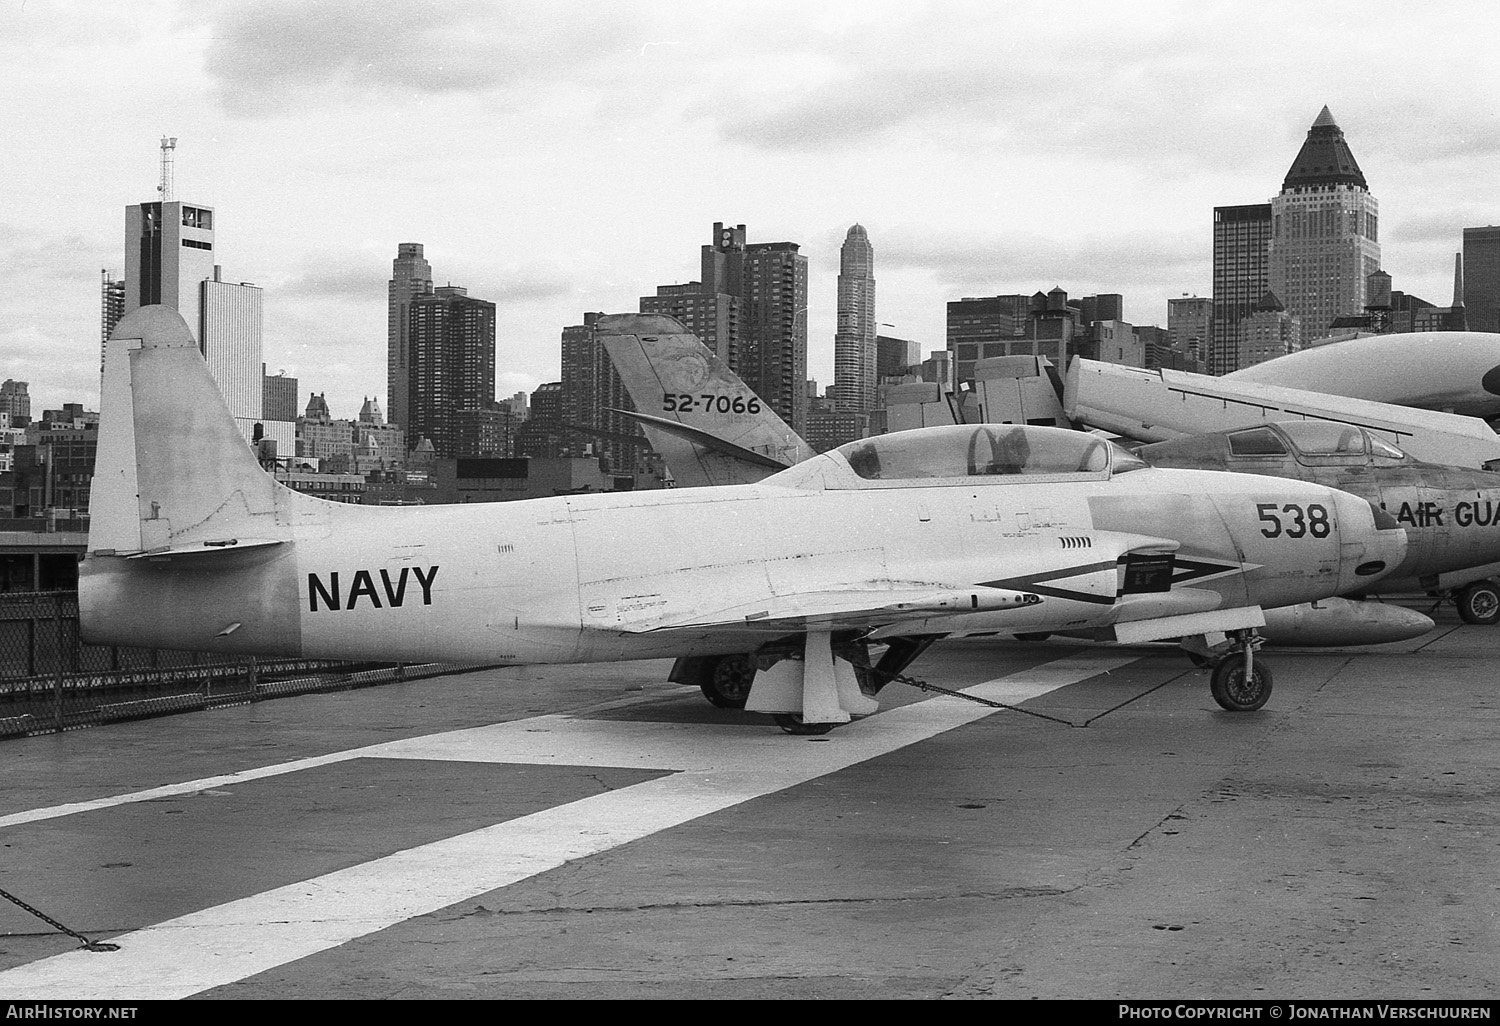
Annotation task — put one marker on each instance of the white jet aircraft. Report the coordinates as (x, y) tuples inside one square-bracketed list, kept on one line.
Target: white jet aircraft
[(650, 352), (805, 576), (1452, 371)]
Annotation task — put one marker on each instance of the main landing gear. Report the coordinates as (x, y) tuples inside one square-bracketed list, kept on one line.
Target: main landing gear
[(843, 683), (1239, 682)]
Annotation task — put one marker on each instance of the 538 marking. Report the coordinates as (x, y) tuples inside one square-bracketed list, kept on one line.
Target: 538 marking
[(1313, 521), (709, 403)]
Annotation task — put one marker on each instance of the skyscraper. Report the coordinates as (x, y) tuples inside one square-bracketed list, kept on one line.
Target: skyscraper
[(1324, 232), (854, 350), (773, 355), (1188, 322), (592, 395), (451, 364), (230, 338), (111, 308), (169, 260), (279, 393), (750, 308), (1242, 239), (411, 276), (169, 252), (1482, 278)]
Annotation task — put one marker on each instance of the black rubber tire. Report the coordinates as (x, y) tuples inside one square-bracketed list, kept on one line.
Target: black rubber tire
[(728, 682), (792, 723), (1231, 690), (1479, 603)]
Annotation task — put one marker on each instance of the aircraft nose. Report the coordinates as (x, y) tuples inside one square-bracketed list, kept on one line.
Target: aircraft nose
[(1491, 380), (1371, 542)]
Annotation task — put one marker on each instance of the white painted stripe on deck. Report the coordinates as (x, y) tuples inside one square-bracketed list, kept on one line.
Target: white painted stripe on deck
[(717, 768)]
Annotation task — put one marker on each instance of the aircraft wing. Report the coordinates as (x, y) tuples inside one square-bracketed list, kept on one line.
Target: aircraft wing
[(859, 607), (1157, 405), (697, 413)]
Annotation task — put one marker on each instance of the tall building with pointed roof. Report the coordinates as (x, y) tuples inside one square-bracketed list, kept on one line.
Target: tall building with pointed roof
[(854, 348), (1325, 239)]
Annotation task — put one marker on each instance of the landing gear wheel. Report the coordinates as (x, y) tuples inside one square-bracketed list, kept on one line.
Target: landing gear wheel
[(1231, 689), (792, 723), (728, 683), (1034, 636), (1478, 603)]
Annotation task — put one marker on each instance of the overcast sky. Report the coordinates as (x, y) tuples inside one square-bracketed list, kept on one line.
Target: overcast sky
[(557, 158)]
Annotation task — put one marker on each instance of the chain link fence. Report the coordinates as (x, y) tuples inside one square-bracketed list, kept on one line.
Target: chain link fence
[(51, 681)]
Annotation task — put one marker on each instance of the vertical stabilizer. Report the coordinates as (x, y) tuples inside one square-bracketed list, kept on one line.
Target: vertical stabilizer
[(190, 541), (173, 470), (707, 424)]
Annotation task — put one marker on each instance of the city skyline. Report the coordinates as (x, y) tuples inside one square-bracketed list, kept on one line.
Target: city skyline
[(562, 161)]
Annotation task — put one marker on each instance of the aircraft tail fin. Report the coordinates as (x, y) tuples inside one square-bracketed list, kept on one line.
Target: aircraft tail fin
[(173, 473), (696, 412)]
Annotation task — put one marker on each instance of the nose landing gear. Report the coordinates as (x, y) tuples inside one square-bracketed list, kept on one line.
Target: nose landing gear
[(1238, 682)]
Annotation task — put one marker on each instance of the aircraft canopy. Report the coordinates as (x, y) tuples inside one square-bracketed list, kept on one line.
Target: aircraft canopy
[(961, 453)]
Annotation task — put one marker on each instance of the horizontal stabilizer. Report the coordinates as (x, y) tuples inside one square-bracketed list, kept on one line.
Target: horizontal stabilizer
[(207, 553), (707, 440)]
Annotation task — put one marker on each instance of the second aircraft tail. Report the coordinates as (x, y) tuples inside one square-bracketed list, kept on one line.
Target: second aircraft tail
[(708, 425)]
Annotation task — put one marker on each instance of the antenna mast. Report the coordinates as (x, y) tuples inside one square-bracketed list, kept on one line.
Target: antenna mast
[(165, 188)]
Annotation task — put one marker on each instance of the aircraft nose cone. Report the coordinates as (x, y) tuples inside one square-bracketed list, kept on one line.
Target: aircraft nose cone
[(1491, 380), (1374, 543)]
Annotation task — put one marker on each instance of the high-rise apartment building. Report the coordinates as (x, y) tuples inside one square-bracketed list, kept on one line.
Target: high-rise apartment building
[(750, 308), (541, 435), (450, 364), (854, 350), (713, 316), (1188, 322), (15, 402), (230, 337), (1242, 240), (592, 396), (411, 277), (1482, 278), (111, 308), (1325, 240), (279, 396)]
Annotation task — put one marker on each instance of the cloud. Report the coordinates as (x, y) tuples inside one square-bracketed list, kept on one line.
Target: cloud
[(331, 277), (24, 255), (1027, 263), (265, 55)]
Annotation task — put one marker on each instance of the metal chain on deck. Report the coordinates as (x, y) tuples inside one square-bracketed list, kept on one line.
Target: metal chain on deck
[(88, 945), (922, 685)]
